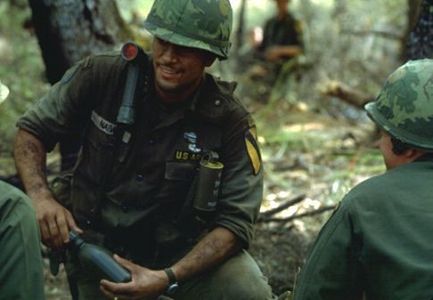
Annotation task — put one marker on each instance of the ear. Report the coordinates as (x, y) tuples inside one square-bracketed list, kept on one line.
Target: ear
[(412, 154)]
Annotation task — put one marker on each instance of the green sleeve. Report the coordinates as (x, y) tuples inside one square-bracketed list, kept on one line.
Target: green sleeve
[(332, 270), (64, 110), (242, 184), (21, 271)]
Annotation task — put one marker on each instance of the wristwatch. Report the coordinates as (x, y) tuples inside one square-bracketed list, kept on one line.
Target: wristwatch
[(172, 282)]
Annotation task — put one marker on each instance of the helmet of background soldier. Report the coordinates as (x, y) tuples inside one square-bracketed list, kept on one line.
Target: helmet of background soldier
[(404, 107), (202, 24)]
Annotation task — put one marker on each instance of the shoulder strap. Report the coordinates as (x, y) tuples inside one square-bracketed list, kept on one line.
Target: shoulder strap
[(126, 114)]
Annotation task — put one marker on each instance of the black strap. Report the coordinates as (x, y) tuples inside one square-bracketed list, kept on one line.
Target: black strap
[(120, 146), (127, 111), (171, 277)]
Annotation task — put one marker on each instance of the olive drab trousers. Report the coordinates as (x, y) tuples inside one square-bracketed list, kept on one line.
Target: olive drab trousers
[(237, 278), (21, 269)]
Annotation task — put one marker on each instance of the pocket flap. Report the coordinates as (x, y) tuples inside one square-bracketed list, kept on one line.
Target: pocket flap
[(182, 171)]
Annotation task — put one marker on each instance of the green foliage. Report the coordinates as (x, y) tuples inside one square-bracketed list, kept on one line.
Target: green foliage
[(21, 69), (131, 9), (356, 42)]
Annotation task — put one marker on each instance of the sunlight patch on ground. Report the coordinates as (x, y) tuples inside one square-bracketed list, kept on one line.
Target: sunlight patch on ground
[(4, 92), (325, 3), (303, 127)]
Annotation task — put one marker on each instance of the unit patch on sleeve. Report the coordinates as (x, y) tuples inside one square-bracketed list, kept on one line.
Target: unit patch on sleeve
[(252, 150)]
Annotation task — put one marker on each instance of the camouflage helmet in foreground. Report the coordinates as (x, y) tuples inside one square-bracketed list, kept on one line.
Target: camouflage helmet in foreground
[(404, 107), (202, 24)]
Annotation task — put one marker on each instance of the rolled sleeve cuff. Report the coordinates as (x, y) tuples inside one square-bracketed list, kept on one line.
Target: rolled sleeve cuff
[(26, 125), (242, 231)]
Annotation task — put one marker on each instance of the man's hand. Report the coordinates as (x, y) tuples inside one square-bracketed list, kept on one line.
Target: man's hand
[(145, 284), (55, 222)]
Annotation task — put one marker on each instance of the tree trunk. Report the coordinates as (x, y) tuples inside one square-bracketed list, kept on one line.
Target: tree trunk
[(346, 93), (239, 38), (69, 30), (413, 12), (420, 39), (340, 8)]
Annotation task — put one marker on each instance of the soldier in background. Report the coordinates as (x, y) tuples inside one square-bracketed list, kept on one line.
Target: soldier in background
[(282, 36), (275, 58), (378, 243), (282, 41), (21, 275), (135, 187)]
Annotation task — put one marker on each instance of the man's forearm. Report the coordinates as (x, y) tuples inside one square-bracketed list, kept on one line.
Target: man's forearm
[(30, 161), (54, 220), (214, 248)]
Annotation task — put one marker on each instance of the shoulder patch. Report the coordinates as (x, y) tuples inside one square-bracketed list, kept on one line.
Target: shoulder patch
[(253, 150)]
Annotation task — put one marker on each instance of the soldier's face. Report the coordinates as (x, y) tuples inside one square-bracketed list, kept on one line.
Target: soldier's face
[(283, 5), (178, 70)]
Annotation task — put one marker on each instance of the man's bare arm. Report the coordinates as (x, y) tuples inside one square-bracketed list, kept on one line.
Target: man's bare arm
[(54, 220), (212, 250), (30, 160)]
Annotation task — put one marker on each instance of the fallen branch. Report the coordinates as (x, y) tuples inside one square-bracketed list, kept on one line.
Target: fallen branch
[(303, 215), (268, 214), (381, 33), (346, 93)]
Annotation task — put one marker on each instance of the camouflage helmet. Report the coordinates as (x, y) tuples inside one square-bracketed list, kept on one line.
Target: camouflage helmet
[(404, 107), (202, 24)]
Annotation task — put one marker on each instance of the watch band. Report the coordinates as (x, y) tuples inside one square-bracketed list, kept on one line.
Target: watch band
[(172, 282), (171, 277)]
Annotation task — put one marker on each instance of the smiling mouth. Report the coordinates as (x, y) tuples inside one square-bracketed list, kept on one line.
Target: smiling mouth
[(168, 71)]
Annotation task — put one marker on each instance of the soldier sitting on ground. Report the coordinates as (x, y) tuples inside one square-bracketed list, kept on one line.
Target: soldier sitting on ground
[(274, 57), (282, 41), (378, 243)]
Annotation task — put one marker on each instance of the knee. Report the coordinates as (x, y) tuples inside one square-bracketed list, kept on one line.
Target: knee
[(248, 288), (241, 278)]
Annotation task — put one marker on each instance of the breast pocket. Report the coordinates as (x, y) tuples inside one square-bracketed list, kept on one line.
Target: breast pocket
[(178, 178)]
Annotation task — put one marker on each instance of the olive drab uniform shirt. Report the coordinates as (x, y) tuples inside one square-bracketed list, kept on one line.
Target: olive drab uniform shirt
[(285, 32), (135, 189), (378, 242)]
